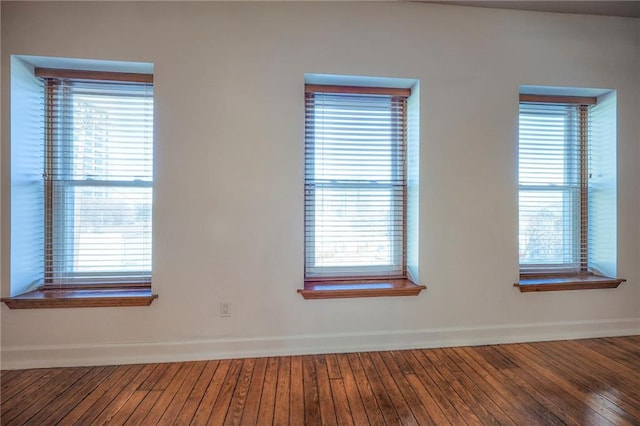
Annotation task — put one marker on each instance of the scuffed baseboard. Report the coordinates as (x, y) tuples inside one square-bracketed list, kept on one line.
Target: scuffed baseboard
[(23, 357)]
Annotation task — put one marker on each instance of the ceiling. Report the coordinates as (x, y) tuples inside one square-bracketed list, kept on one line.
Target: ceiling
[(604, 8)]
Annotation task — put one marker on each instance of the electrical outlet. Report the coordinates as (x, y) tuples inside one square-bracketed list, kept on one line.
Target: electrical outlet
[(225, 309)]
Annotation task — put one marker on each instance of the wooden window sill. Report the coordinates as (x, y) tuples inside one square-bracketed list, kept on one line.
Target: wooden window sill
[(81, 298), (360, 288), (570, 282)]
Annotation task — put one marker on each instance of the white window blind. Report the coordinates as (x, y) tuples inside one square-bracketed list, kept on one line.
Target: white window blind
[(355, 184), (553, 187), (98, 181)]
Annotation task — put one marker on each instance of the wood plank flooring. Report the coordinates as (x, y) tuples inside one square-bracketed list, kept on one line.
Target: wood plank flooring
[(580, 382)]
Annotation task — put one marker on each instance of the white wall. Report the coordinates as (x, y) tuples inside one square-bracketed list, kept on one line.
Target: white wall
[(229, 174)]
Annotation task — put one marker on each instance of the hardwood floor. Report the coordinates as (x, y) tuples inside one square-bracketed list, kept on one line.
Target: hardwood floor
[(581, 382)]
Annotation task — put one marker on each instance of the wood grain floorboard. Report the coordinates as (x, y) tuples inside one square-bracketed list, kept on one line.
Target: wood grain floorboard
[(129, 407), (221, 407), (17, 384), (597, 386), (203, 410), (143, 408), (507, 393), (578, 382), (415, 404), (444, 384), (45, 396), (496, 396), (340, 402), (283, 392), (397, 399), (456, 380), (473, 390), (196, 394), (352, 394), (173, 410), (65, 402), (385, 403), (268, 399), (111, 397), (107, 414), (99, 395), (18, 401), (369, 400), (606, 380), (422, 382), (170, 391), (333, 368), (574, 398), (296, 392), (527, 384), (254, 393), (327, 408), (239, 397)]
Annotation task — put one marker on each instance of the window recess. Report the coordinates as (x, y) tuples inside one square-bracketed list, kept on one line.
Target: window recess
[(356, 192), (556, 235), (98, 187)]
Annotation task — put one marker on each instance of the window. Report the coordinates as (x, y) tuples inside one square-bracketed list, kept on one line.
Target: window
[(557, 221), (81, 184), (553, 168), (355, 184), (98, 180)]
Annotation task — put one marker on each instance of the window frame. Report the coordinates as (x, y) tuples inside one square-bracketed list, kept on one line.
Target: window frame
[(577, 190), (56, 212), (397, 165)]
